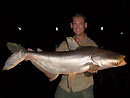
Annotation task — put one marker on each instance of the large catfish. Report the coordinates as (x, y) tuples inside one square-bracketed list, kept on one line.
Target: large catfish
[(76, 61)]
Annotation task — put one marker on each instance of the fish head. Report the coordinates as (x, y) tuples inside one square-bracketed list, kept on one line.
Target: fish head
[(108, 59), (113, 62)]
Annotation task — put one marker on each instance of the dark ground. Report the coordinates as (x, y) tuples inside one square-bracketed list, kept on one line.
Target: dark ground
[(38, 22)]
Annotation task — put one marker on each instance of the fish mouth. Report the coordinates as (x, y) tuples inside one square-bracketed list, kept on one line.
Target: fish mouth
[(123, 62)]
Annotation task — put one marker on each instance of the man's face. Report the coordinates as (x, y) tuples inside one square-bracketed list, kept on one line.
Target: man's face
[(78, 25)]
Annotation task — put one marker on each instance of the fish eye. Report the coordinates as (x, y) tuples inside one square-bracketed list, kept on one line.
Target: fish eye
[(115, 63)]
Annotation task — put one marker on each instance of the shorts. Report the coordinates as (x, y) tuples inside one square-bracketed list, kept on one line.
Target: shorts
[(86, 93)]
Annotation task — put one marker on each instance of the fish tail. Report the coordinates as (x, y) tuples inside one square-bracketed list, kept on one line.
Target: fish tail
[(13, 47), (19, 54), (14, 60)]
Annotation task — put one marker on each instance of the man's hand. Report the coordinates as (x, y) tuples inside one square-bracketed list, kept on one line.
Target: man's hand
[(88, 74), (93, 68), (29, 49), (29, 56)]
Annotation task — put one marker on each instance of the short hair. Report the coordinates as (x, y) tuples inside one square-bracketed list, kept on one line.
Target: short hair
[(79, 15)]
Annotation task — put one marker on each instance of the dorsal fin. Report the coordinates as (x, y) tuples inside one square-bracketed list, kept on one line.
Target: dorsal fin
[(72, 45)]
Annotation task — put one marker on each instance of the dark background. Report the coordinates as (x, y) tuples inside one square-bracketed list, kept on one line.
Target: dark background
[(38, 22)]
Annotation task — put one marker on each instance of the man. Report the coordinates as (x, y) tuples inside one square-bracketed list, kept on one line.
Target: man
[(82, 85)]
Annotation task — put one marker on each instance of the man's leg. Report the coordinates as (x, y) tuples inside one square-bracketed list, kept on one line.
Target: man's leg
[(87, 93), (61, 93)]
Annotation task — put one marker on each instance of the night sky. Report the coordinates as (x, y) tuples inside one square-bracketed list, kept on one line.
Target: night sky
[(45, 25)]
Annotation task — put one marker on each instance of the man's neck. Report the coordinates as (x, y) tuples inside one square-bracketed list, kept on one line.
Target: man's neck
[(80, 37)]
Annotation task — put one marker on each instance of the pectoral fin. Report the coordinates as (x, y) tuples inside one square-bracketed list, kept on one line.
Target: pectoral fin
[(48, 74), (92, 69)]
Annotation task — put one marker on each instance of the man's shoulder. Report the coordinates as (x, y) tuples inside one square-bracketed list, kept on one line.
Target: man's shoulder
[(91, 42)]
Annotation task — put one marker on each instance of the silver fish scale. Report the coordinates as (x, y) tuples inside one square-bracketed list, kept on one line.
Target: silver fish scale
[(59, 63)]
